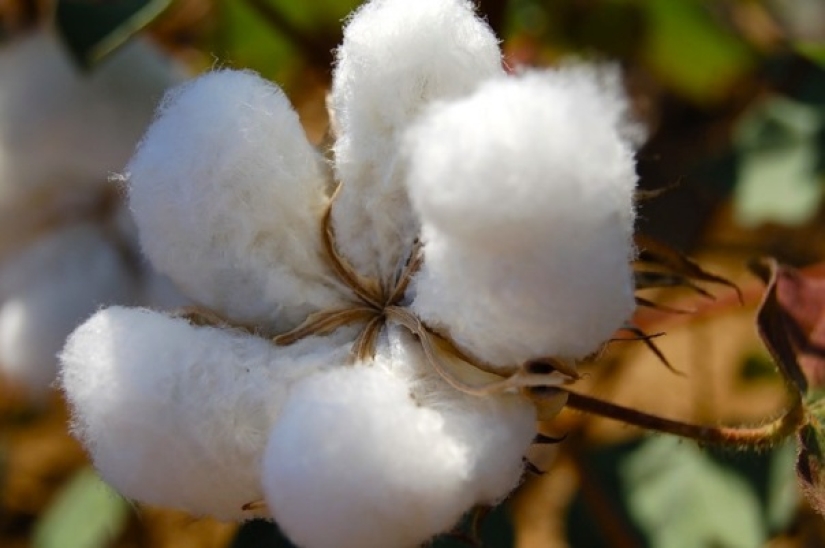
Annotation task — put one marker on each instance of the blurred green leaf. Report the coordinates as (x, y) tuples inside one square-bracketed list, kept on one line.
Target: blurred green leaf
[(758, 366), (244, 40), (318, 13), (778, 151), (85, 514), (681, 498), (93, 29), (815, 51), (277, 37), (783, 491), (690, 52)]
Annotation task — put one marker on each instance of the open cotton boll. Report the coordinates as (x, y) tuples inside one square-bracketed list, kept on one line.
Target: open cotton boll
[(49, 290), (395, 58), (525, 191), (228, 195), (178, 415), (355, 461), (63, 130)]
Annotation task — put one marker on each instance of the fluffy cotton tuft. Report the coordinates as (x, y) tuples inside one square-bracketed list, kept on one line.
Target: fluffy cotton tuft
[(228, 194), (61, 130), (367, 457), (396, 57), (525, 192), (47, 291), (177, 415)]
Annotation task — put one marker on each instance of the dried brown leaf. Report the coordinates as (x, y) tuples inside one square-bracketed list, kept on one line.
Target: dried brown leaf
[(791, 322)]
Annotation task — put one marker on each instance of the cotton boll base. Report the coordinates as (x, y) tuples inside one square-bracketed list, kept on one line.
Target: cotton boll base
[(176, 415), (527, 217), (49, 289)]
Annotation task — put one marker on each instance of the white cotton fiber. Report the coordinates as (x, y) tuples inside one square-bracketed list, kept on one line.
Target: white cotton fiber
[(47, 291), (361, 458), (63, 130), (525, 192), (228, 195), (396, 57), (177, 415)]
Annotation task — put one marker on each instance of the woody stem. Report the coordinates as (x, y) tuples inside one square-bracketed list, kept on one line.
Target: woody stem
[(761, 437)]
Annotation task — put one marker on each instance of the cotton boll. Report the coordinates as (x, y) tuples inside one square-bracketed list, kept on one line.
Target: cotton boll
[(525, 190), (176, 415), (396, 57), (228, 195), (50, 289), (374, 456), (63, 131)]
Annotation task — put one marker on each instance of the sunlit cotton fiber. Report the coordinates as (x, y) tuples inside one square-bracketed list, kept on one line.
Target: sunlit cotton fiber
[(227, 194), (525, 191), (179, 415), (381, 457)]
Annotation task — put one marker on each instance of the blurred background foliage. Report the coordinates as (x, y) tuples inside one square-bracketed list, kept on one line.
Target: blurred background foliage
[(733, 95)]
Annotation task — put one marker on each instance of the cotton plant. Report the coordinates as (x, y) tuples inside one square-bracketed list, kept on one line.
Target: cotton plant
[(65, 246), (374, 339)]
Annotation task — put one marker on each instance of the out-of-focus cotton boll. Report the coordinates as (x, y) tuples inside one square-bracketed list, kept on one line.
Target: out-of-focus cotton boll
[(178, 415), (396, 57), (525, 191), (47, 291), (358, 459), (228, 194), (62, 130)]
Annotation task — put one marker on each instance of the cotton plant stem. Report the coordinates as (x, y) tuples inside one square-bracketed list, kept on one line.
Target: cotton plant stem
[(761, 437)]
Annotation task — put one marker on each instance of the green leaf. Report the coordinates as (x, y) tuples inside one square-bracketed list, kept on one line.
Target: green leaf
[(690, 52), (318, 13), (815, 51), (85, 514), (245, 40), (92, 29), (681, 498), (783, 491), (778, 152)]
